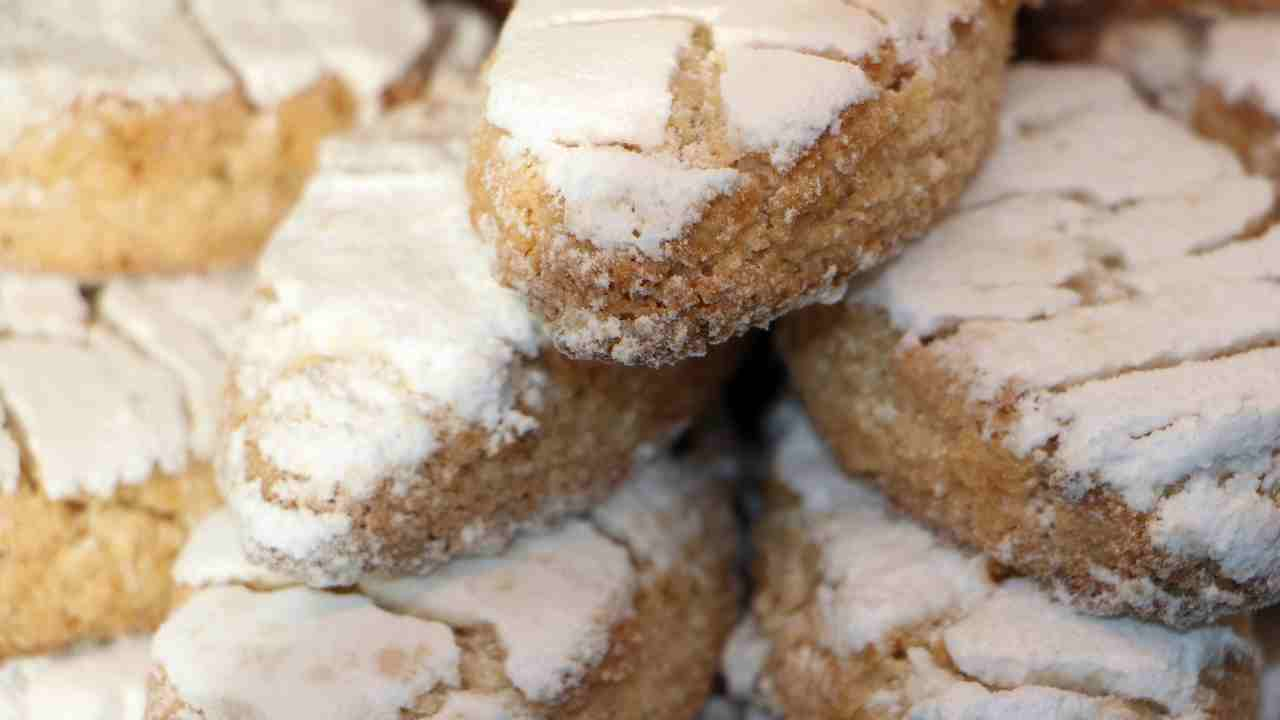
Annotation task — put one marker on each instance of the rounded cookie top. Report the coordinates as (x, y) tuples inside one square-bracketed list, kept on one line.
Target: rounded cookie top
[(101, 388), (589, 88), (94, 682), (53, 54), (378, 333), (1119, 322), (976, 645), (407, 645)]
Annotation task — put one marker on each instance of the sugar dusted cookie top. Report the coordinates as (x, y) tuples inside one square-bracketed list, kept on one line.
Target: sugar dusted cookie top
[(57, 52), (1124, 307), (95, 682), (1010, 649), (104, 393), (379, 333), (594, 89), (592, 567)]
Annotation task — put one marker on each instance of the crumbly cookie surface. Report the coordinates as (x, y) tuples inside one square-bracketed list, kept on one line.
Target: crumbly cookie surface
[(862, 613), (655, 184), (1106, 362), (110, 407), (101, 93), (480, 638)]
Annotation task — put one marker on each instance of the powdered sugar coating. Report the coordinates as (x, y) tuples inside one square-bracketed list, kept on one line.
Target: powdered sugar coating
[(54, 52), (57, 52), (107, 401), (93, 682), (1125, 313), (590, 578), (1010, 650), (231, 650), (592, 567), (214, 555), (1241, 60), (278, 49), (379, 333), (579, 85)]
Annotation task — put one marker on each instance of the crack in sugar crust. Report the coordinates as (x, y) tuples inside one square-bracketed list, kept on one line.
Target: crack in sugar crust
[(100, 682), (357, 330), (967, 643), (639, 255), (1159, 395), (614, 589), (104, 448)]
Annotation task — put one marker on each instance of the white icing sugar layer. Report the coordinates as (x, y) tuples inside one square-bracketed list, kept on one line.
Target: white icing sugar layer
[(299, 652), (383, 330), (94, 682), (1105, 280), (56, 52), (53, 52), (583, 84), (214, 555), (1011, 651), (872, 559), (278, 49), (590, 578), (110, 400), (1020, 637), (1242, 60)]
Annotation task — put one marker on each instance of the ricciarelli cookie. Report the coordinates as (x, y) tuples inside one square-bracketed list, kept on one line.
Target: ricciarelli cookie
[(616, 615), (860, 613), (171, 136), (110, 409), (657, 181), (92, 682), (393, 406), (1076, 372), (1223, 74)]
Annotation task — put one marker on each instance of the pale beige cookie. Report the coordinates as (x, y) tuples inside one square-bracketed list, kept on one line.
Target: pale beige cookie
[(1076, 372), (860, 613), (92, 682), (393, 406), (108, 413), (657, 181), (171, 136), (618, 615)]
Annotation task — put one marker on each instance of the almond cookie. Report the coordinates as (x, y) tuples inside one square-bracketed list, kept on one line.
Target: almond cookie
[(860, 613), (619, 614), (171, 136), (1222, 74), (656, 180), (1076, 372), (108, 413), (93, 682), (393, 405)]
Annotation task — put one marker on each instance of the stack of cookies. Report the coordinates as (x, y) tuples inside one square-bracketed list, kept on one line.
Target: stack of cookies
[(372, 364)]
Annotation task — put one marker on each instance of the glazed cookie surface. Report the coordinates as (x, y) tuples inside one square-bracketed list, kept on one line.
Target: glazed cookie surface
[(1075, 373), (656, 182), (860, 613), (617, 614), (393, 406), (110, 410), (171, 136), (92, 682)]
